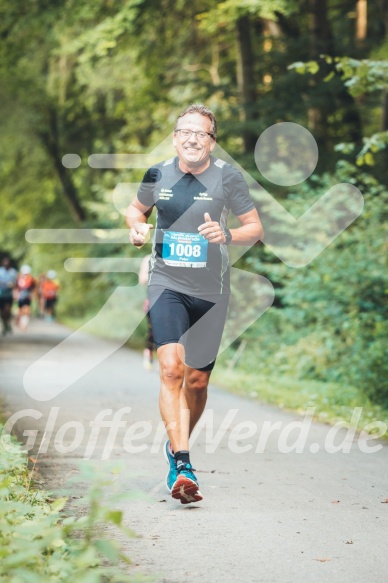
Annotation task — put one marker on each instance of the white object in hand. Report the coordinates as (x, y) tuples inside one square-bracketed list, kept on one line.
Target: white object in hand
[(145, 231)]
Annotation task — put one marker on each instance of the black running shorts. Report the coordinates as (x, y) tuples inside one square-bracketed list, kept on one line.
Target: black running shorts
[(24, 302), (195, 323)]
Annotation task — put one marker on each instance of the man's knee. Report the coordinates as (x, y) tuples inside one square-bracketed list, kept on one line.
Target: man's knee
[(197, 381), (170, 365)]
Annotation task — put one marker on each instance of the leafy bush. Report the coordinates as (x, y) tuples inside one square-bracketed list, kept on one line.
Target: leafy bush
[(329, 320), (37, 542)]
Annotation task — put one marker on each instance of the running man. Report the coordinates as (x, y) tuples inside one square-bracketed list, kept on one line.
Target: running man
[(25, 286), (8, 277), (40, 301), (49, 290), (189, 275)]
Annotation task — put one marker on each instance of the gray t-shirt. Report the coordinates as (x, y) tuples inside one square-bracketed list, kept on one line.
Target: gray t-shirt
[(182, 259)]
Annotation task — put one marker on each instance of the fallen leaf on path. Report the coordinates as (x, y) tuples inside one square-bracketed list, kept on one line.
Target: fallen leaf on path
[(162, 500), (335, 501), (33, 459), (323, 560), (348, 542), (385, 501)]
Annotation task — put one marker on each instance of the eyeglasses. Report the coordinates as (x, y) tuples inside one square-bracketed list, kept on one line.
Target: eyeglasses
[(201, 136)]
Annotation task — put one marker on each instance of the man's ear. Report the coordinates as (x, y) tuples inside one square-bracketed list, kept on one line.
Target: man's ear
[(213, 144)]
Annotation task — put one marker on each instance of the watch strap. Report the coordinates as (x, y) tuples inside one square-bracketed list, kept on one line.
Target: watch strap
[(228, 236)]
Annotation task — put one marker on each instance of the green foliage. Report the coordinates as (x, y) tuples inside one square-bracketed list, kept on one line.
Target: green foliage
[(330, 317), (37, 534), (359, 76), (332, 402), (224, 14), (374, 144), (302, 68)]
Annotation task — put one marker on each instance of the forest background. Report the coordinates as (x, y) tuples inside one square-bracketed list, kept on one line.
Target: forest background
[(111, 77)]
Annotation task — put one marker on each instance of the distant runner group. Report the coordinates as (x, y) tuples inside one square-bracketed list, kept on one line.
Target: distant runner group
[(20, 287)]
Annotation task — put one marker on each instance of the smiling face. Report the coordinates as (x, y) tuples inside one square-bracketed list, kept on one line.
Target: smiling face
[(193, 152)]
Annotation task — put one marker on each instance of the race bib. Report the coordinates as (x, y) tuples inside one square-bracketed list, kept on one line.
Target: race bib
[(184, 249)]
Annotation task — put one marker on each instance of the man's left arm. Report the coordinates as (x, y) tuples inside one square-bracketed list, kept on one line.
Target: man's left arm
[(250, 232)]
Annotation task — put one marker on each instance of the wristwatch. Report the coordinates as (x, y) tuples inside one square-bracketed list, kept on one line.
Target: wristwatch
[(228, 236)]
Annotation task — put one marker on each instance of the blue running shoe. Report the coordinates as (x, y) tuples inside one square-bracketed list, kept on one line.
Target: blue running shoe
[(186, 487), (172, 472)]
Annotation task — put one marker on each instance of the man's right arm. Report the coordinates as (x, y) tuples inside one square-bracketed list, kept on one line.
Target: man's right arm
[(141, 208), (137, 215)]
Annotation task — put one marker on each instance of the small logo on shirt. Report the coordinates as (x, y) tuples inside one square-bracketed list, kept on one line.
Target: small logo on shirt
[(165, 194), (203, 196)]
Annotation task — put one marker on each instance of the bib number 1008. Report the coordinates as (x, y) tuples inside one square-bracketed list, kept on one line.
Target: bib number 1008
[(182, 250)]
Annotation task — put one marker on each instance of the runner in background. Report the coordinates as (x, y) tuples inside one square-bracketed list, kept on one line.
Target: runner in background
[(8, 277), (148, 351), (40, 301), (49, 289), (25, 286)]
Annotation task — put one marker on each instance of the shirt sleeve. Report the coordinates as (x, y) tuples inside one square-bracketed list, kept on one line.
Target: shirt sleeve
[(237, 191), (145, 194)]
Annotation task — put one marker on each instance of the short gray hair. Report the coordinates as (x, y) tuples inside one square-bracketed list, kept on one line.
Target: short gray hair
[(203, 110)]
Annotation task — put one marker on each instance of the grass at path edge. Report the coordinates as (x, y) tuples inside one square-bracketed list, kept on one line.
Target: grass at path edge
[(333, 402)]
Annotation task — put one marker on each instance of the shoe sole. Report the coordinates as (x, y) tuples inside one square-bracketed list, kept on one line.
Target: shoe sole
[(186, 490), (168, 473)]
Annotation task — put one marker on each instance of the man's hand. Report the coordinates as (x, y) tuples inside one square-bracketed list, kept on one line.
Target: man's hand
[(140, 234), (212, 231)]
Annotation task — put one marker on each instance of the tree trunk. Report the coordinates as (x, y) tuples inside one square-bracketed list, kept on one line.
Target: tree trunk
[(50, 140), (361, 22), (384, 11), (246, 82), (384, 114), (321, 42), (69, 189), (321, 38)]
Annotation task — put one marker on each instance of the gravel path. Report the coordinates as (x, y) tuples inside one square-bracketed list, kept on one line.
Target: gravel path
[(268, 515)]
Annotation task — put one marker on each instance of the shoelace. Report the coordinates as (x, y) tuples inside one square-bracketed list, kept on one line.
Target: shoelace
[(184, 467)]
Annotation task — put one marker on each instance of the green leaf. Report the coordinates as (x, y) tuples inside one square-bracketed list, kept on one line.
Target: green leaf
[(329, 76), (59, 504), (69, 520), (115, 516), (312, 67), (26, 576), (108, 548), (299, 66), (58, 543)]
